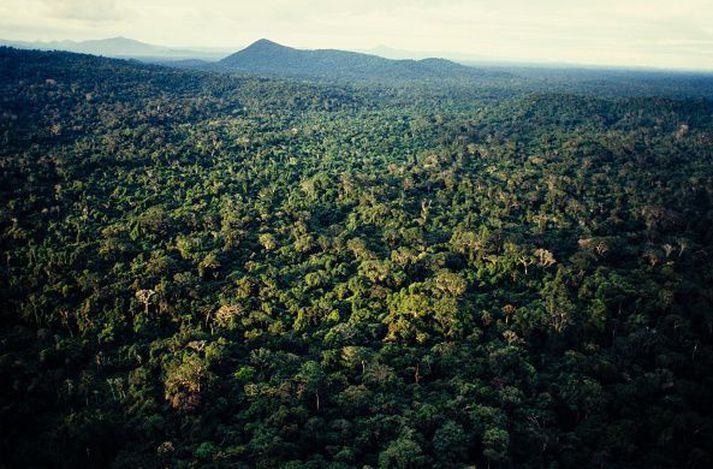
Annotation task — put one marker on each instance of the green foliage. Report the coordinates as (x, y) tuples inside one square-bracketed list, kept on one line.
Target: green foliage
[(450, 443), (402, 453), (200, 269), (495, 444)]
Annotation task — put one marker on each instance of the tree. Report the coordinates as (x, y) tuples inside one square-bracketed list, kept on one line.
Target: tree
[(402, 453), (310, 380), (558, 303), (450, 442), (495, 445)]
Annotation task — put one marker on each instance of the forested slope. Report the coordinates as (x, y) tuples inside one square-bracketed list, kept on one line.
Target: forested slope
[(202, 270), (269, 58)]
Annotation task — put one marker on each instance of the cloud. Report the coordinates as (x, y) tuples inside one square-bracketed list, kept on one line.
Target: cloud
[(86, 10)]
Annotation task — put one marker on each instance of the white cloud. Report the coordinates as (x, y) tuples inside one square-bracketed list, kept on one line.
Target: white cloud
[(85, 10)]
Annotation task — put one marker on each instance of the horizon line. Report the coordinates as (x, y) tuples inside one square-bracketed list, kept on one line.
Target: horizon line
[(414, 55)]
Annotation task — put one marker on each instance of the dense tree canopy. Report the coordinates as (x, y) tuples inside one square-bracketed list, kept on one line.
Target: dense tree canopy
[(208, 270)]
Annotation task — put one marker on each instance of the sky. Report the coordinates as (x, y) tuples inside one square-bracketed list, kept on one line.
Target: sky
[(641, 33)]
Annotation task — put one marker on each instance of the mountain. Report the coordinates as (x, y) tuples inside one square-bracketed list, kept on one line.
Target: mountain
[(400, 54), (269, 58), (121, 47)]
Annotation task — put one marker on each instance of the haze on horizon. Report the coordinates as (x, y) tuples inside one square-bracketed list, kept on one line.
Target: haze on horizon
[(630, 33)]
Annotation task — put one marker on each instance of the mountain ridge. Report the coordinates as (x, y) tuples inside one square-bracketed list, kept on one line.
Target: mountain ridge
[(117, 47), (267, 57)]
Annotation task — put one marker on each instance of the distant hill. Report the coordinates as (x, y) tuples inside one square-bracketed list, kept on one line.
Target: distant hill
[(269, 58), (120, 47)]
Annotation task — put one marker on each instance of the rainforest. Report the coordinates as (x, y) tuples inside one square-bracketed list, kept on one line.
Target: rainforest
[(395, 265)]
